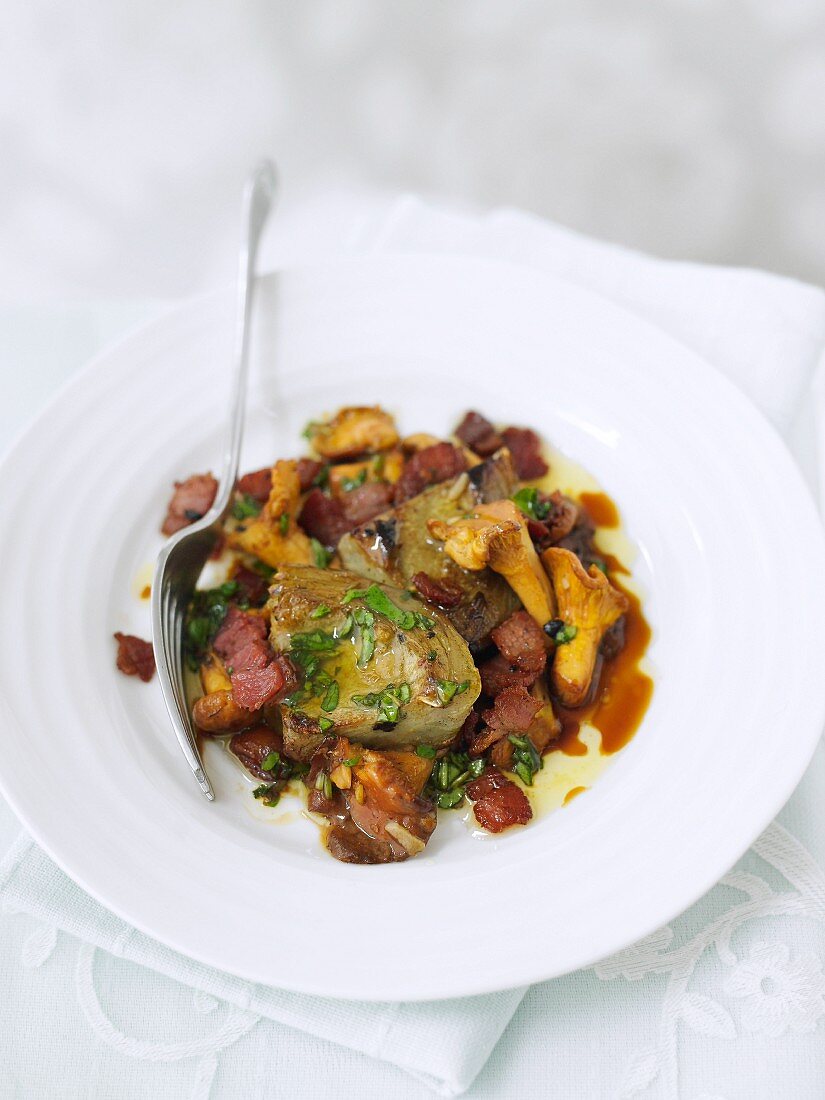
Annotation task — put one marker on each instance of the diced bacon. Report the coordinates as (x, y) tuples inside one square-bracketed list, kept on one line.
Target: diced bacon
[(252, 687), (135, 656), (479, 434), (538, 531), (558, 523), (525, 448), (252, 587), (483, 739), (497, 674), (253, 747), (468, 729), (324, 518), (498, 802), (501, 754), (190, 501), (443, 592), (522, 642), (366, 502), (257, 675), (513, 710), (257, 484), (429, 466), (308, 469), (238, 631), (563, 518)]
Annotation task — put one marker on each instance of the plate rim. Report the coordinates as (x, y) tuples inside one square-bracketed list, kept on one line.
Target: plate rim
[(770, 806)]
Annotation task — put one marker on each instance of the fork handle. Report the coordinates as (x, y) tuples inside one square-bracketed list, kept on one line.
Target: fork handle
[(259, 195)]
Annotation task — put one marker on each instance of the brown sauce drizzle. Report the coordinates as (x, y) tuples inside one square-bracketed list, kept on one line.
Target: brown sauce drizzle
[(601, 509), (624, 690), (571, 794)]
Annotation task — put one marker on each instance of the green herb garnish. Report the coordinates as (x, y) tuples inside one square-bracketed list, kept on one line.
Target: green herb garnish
[(350, 483), (526, 759), (325, 724), (560, 631), (365, 620), (448, 800), (313, 641), (528, 501), (388, 701), (448, 689), (426, 751), (378, 601), (320, 612), (320, 554), (330, 700), (353, 594), (352, 761), (271, 761), (321, 479), (450, 776), (268, 793), (205, 614), (283, 522), (323, 783), (245, 507)]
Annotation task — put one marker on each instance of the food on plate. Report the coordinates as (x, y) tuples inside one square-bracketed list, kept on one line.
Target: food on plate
[(410, 625), (135, 656)]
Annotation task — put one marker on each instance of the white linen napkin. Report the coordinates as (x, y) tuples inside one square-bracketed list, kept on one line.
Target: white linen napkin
[(765, 332)]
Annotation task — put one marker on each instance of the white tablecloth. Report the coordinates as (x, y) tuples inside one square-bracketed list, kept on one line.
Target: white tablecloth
[(729, 1002)]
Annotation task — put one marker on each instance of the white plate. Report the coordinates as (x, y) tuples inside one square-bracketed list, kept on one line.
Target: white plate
[(707, 491)]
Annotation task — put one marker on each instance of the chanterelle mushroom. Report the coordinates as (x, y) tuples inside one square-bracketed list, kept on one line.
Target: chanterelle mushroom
[(274, 535), (497, 536), (354, 431), (588, 602)]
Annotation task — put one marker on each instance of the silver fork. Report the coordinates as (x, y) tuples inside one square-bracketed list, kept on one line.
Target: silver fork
[(183, 557)]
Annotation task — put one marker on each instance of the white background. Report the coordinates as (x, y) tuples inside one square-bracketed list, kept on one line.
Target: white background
[(693, 128)]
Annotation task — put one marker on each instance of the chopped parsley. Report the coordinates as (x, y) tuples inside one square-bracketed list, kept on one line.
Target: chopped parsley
[(268, 793), (378, 601), (365, 620), (448, 689), (325, 724), (283, 522), (528, 501), (308, 650), (271, 761), (320, 612), (321, 479), (206, 612), (313, 641), (246, 507), (323, 783), (526, 760), (330, 700), (387, 702), (350, 483), (450, 776), (560, 631), (320, 554), (352, 761), (425, 751)]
